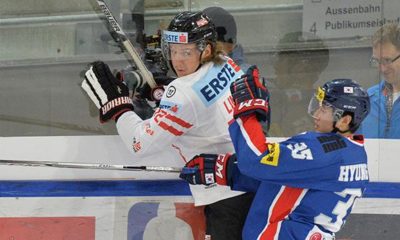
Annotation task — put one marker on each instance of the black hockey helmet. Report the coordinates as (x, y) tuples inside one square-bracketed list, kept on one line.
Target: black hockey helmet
[(189, 27), (197, 24), (345, 96)]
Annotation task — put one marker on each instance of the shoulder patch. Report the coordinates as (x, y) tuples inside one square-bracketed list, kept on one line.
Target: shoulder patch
[(171, 91), (332, 143), (272, 157), (171, 106)]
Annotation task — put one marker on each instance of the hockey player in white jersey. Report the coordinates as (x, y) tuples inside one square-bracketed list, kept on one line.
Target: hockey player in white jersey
[(192, 117)]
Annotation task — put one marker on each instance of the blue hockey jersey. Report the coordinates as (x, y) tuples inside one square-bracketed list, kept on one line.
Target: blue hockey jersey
[(305, 186)]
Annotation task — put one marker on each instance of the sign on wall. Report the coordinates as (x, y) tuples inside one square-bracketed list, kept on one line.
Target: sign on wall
[(348, 18)]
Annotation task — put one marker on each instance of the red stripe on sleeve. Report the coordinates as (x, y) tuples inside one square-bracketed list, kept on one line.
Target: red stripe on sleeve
[(179, 121), (255, 132), (170, 129), (283, 206)]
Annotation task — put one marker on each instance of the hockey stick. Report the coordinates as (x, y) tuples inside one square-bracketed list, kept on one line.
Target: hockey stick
[(119, 35), (101, 166)]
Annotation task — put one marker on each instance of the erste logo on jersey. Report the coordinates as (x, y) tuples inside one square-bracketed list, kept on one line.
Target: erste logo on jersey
[(273, 155), (216, 82), (300, 151)]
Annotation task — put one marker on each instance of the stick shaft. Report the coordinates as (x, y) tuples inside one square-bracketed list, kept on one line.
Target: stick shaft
[(147, 76), (101, 166)]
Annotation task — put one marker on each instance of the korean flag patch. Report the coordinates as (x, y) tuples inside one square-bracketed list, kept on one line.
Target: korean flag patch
[(348, 90), (209, 178)]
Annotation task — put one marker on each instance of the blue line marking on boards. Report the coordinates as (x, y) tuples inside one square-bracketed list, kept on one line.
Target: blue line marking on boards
[(97, 188)]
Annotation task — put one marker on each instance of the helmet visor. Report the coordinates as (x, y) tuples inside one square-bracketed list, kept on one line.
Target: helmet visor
[(321, 109), (175, 46), (179, 52)]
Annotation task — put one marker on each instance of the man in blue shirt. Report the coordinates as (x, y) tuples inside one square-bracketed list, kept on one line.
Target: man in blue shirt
[(306, 185), (384, 119)]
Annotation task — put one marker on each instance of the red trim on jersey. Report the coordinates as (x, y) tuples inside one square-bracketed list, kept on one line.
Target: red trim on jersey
[(160, 114), (180, 152), (358, 138), (170, 129), (234, 65), (283, 206), (255, 132), (179, 121)]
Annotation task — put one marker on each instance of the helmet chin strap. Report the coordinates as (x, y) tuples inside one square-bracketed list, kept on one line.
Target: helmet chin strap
[(202, 49), (337, 130), (336, 116), (200, 64)]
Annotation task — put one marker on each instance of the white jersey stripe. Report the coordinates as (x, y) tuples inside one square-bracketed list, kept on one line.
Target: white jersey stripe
[(247, 138)]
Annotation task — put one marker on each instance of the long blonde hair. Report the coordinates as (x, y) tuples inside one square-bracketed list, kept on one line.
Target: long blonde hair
[(216, 55)]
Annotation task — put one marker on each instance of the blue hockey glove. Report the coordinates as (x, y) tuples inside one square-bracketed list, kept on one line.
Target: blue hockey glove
[(207, 169), (250, 96), (110, 95)]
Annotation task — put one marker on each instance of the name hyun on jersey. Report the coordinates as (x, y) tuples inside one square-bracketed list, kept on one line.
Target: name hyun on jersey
[(355, 172)]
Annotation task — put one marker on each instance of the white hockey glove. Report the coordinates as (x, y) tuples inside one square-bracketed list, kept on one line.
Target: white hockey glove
[(110, 95)]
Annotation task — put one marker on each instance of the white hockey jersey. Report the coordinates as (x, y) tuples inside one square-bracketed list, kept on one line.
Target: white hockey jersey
[(192, 118)]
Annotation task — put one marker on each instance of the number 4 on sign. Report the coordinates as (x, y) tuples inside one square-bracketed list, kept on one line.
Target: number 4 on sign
[(313, 28)]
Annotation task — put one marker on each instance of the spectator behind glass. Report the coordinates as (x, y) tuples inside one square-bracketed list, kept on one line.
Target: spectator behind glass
[(225, 26), (298, 64), (384, 118)]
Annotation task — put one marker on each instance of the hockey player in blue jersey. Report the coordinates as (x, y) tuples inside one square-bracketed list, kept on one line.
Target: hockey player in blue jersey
[(306, 185)]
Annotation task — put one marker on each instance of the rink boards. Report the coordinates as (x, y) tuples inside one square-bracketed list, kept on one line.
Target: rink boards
[(146, 212), (52, 203)]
